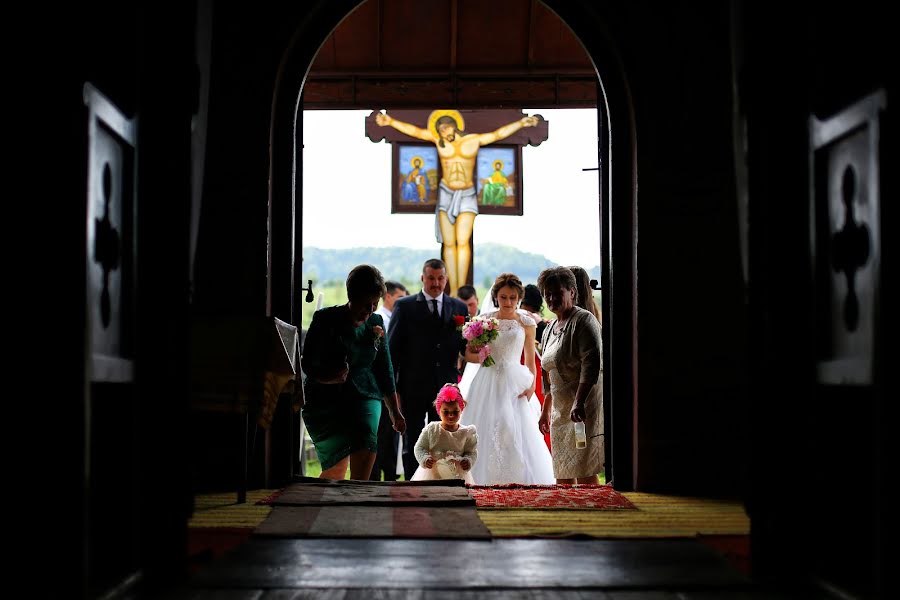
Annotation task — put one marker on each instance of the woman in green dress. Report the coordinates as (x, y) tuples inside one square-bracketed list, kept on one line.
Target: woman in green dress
[(348, 367)]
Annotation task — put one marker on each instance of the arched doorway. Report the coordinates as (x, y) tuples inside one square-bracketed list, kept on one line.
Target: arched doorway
[(321, 32)]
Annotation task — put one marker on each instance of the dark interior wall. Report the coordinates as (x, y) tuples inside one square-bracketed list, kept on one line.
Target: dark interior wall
[(102, 442), (63, 57), (254, 79), (59, 58), (820, 440), (691, 407), (230, 268)]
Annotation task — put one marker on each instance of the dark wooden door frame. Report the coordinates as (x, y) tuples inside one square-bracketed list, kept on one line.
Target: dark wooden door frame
[(618, 202)]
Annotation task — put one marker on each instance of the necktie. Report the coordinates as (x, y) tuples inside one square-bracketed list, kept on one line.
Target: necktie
[(435, 312)]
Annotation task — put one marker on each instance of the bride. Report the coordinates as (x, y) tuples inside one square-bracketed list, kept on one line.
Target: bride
[(501, 400)]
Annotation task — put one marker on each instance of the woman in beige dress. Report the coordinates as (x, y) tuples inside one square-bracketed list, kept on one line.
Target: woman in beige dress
[(572, 363)]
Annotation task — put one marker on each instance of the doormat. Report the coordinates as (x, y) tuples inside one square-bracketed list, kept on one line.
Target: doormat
[(373, 522), (557, 496), (359, 493)]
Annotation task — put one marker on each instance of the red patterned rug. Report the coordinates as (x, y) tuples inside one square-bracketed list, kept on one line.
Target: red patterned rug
[(513, 495)]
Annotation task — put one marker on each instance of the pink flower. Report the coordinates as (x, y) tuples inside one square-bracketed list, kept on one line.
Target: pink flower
[(484, 355), (474, 329), (449, 393), (479, 332)]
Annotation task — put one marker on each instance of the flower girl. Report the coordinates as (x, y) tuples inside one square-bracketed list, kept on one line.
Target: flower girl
[(446, 449)]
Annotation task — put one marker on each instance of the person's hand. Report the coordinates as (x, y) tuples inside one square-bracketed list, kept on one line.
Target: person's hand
[(530, 121), (429, 462), (466, 464), (528, 392), (399, 422), (335, 376), (544, 422), (577, 413), (383, 119)]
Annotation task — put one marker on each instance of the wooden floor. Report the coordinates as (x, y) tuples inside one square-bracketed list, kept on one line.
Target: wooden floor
[(500, 569), (655, 553)]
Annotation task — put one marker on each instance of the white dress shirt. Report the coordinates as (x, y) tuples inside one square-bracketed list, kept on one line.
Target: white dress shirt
[(440, 302), (385, 315)]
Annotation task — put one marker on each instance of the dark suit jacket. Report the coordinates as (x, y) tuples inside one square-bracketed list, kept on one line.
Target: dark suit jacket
[(423, 350)]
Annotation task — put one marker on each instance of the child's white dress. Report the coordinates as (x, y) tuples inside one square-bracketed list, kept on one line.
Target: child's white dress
[(447, 448)]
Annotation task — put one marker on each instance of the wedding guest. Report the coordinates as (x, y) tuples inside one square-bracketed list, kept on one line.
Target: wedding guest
[(446, 449), (469, 295), (585, 297), (393, 291), (571, 359), (385, 468), (425, 345), (533, 303), (348, 365)]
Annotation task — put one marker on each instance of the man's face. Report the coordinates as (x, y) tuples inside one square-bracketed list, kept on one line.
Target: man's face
[(417, 163), (391, 297), (434, 281), (472, 304), (447, 132)]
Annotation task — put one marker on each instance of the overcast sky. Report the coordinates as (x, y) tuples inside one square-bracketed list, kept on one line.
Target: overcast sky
[(345, 174)]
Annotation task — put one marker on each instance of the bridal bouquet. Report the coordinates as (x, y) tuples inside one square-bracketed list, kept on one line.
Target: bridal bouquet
[(479, 333)]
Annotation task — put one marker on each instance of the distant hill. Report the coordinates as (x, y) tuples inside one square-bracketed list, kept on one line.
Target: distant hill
[(327, 266)]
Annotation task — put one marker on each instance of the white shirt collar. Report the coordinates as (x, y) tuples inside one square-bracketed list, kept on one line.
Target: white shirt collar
[(440, 298)]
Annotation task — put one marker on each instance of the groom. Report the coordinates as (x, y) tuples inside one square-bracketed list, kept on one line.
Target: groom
[(424, 346)]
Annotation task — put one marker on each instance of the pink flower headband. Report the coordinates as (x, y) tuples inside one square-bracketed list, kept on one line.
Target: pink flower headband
[(449, 393)]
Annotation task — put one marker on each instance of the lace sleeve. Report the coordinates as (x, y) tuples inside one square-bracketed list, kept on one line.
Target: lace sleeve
[(422, 449), (470, 450), (527, 319)]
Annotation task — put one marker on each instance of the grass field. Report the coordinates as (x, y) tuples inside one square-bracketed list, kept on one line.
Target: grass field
[(337, 294), (314, 469)]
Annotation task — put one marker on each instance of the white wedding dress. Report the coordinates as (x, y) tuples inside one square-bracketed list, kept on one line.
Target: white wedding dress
[(511, 448)]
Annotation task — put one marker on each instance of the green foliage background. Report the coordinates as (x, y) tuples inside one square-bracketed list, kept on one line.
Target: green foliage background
[(328, 268)]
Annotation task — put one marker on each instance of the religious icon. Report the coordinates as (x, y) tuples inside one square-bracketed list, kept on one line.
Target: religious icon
[(417, 177), (497, 172)]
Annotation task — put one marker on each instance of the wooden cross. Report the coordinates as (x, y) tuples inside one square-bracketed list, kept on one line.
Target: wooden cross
[(457, 164)]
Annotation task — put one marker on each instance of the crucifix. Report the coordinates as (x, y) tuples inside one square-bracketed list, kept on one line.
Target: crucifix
[(441, 167)]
